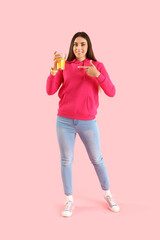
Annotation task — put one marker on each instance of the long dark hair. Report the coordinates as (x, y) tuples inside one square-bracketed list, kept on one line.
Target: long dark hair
[(89, 53)]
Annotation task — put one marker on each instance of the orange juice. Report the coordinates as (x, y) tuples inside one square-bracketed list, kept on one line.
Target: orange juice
[(61, 63)]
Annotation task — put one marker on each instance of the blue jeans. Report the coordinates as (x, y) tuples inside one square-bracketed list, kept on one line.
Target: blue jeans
[(66, 129)]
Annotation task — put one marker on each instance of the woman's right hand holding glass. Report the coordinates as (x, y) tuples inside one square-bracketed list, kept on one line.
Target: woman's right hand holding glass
[(56, 58)]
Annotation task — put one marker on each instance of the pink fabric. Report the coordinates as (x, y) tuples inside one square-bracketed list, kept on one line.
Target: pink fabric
[(78, 92)]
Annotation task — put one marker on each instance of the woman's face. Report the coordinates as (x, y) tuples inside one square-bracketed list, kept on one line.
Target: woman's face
[(80, 47)]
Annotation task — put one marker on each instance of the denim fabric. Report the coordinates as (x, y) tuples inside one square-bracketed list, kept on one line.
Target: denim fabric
[(66, 129)]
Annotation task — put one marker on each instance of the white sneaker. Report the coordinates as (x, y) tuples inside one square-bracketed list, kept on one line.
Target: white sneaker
[(67, 212), (111, 203)]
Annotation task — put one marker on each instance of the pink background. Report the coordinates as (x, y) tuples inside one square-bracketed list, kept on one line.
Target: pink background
[(125, 37)]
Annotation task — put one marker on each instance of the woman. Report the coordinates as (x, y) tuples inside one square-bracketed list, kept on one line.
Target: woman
[(80, 82)]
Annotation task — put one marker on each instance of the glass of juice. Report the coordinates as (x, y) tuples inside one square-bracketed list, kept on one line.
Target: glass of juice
[(61, 62)]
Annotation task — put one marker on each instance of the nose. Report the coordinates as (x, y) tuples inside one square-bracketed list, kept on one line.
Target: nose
[(78, 49)]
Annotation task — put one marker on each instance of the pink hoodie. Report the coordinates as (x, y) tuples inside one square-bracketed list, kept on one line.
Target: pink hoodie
[(79, 92)]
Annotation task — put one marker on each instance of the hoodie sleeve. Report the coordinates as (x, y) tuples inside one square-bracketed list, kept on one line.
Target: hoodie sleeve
[(54, 82), (105, 82)]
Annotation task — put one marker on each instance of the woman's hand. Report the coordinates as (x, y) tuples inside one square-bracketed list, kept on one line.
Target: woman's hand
[(91, 70), (56, 58)]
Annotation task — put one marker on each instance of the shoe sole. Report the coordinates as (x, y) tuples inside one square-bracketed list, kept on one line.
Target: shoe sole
[(113, 210)]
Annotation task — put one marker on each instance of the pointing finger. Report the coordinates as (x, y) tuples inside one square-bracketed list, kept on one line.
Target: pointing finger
[(91, 63)]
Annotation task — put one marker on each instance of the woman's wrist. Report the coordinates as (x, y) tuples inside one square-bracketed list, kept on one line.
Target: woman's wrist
[(53, 71)]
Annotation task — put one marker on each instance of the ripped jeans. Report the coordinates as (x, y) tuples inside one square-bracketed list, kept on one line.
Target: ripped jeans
[(66, 129)]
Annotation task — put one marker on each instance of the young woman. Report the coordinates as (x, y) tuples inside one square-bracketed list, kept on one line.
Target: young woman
[(80, 82)]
